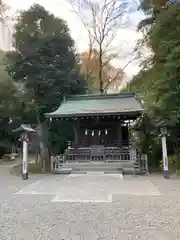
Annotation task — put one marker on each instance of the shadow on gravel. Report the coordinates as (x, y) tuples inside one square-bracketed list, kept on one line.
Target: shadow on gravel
[(15, 170)]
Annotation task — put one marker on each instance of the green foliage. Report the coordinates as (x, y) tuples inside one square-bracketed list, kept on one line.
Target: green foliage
[(61, 133), (147, 139), (45, 64), (149, 4), (159, 80), (10, 106), (34, 168), (45, 60), (173, 162), (177, 162), (5, 147)]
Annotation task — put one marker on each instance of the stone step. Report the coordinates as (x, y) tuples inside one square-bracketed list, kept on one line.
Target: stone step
[(98, 165), (97, 170), (60, 171), (63, 171), (127, 167)]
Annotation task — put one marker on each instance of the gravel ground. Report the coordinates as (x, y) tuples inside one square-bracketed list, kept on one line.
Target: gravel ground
[(151, 213)]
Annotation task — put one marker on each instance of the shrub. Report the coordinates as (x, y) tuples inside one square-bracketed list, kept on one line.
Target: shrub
[(34, 168), (5, 147), (173, 162)]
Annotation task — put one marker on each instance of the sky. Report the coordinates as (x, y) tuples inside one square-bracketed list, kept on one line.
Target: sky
[(127, 38)]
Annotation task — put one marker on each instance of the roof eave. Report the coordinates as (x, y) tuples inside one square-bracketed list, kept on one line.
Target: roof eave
[(129, 112)]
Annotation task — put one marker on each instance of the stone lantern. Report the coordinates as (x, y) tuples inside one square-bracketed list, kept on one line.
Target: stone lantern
[(24, 130), (164, 133)]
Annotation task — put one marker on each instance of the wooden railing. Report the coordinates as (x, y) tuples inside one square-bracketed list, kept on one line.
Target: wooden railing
[(77, 154), (107, 154), (109, 143), (141, 163)]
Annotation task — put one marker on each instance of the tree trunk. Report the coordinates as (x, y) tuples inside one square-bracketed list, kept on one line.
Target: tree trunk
[(100, 71), (44, 147)]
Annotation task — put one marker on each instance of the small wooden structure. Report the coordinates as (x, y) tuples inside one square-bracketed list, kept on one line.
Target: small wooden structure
[(101, 127)]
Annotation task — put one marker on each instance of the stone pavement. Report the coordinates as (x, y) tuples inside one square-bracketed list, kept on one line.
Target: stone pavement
[(89, 207)]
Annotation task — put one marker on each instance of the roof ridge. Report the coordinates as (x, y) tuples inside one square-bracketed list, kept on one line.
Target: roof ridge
[(99, 96)]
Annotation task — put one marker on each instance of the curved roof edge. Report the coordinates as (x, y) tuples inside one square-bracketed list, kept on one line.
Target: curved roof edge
[(99, 96), (98, 104)]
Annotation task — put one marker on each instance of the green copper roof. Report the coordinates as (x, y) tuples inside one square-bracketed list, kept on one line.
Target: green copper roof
[(86, 105), (24, 128)]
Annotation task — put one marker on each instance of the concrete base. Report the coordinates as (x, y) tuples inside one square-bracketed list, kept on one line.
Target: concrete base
[(79, 168), (63, 171), (166, 174), (25, 176)]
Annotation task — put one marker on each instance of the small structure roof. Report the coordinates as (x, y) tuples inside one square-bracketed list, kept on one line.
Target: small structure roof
[(24, 128), (96, 105)]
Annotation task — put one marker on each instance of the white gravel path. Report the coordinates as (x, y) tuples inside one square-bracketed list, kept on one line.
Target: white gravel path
[(78, 207)]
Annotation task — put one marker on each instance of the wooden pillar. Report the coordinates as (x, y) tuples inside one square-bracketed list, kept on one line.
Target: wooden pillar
[(119, 129), (76, 134), (132, 150)]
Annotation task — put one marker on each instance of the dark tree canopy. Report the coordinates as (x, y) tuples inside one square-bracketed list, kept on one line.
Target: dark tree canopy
[(44, 58), (45, 63), (159, 80)]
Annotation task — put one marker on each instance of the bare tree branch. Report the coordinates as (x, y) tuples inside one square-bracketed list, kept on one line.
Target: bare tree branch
[(3, 10), (102, 20), (120, 73)]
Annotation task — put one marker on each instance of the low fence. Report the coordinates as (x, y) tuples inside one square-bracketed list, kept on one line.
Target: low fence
[(144, 164), (102, 154), (99, 154), (56, 162), (141, 163)]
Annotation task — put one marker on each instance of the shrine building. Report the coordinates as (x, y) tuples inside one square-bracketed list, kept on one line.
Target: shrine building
[(102, 131)]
